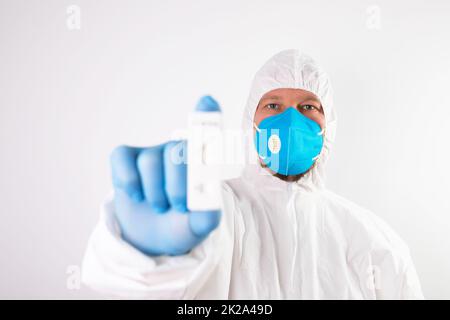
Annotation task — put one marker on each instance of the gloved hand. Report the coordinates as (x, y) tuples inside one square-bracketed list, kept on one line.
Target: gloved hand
[(150, 200)]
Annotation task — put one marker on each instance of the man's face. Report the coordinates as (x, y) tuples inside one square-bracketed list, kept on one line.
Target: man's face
[(277, 101)]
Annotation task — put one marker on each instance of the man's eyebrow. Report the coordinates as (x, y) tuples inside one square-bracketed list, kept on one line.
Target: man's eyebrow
[(271, 98)]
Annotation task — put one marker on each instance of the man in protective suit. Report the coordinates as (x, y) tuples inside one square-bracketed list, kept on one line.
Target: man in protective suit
[(280, 234)]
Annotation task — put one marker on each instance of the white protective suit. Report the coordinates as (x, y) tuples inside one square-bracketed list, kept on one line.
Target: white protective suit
[(276, 239)]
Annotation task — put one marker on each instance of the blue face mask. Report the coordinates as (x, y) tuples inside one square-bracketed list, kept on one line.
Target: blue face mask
[(288, 143)]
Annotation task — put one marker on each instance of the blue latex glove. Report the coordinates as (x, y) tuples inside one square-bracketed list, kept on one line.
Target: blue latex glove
[(150, 200), (150, 197)]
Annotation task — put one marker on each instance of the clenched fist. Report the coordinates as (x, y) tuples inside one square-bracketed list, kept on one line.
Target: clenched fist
[(150, 200)]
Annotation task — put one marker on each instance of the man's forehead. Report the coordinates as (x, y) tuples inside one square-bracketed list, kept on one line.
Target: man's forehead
[(279, 94)]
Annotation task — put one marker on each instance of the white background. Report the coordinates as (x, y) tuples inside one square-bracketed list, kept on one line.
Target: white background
[(135, 69)]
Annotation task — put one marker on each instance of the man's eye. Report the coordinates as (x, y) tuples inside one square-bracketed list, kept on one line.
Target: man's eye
[(307, 107), (272, 106)]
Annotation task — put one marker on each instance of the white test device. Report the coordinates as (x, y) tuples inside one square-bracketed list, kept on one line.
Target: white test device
[(204, 154)]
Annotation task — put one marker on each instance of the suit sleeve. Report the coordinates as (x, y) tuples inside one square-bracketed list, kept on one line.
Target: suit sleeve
[(115, 268)]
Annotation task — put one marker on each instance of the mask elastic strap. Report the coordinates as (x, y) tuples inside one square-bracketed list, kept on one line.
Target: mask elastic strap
[(257, 129), (321, 132)]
